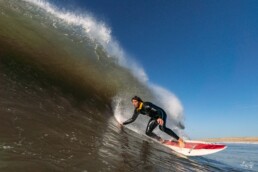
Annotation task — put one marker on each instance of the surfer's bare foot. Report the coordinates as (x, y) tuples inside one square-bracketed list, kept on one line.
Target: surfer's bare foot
[(181, 143), (161, 140)]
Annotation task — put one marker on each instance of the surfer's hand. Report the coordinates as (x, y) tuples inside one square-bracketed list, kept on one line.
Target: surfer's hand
[(160, 121), (120, 126), (181, 143)]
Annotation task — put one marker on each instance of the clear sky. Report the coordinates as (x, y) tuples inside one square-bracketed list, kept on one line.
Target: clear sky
[(205, 52)]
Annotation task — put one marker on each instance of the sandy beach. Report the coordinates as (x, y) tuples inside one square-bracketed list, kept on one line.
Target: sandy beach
[(233, 139)]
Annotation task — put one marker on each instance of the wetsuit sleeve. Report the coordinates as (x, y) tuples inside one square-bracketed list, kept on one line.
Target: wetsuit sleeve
[(135, 115)]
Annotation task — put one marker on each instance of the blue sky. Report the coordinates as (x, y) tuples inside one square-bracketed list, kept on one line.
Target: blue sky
[(205, 52)]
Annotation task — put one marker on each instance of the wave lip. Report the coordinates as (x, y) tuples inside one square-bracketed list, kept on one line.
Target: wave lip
[(100, 33), (91, 68), (96, 30)]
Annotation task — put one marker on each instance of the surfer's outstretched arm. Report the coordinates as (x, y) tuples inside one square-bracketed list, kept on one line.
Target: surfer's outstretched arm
[(135, 115)]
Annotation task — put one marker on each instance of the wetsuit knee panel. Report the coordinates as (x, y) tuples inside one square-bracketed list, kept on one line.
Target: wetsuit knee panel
[(151, 126), (162, 128)]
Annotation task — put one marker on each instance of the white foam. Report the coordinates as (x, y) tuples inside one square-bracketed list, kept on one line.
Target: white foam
[(97, 31), (169, 101)]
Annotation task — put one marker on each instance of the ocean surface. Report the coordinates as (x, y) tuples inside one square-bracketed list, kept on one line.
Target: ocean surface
[(240, 156), (65, 84)]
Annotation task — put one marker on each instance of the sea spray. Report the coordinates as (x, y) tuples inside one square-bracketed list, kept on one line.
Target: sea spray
[(100, 33)]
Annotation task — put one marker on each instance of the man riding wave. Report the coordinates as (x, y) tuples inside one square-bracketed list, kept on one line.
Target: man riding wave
[(157, 115)]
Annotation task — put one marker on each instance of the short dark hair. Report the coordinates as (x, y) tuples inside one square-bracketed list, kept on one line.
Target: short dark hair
[(136, 98)]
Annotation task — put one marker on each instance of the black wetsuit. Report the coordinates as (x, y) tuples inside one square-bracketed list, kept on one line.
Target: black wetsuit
[(154, 112)]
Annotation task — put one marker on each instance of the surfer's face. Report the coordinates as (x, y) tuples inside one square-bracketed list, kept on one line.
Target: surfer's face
[(135, 103)]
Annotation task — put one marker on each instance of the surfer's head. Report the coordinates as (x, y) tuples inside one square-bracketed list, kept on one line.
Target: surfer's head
[(136, 101)]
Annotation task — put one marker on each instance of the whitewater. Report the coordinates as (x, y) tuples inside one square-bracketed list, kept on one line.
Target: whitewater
[(100, 36), (65, 83)]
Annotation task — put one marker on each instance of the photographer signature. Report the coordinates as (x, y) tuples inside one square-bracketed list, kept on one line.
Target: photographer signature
[(247, 165)]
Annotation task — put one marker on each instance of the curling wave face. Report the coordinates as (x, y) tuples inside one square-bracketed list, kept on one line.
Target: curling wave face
[(59, 88)]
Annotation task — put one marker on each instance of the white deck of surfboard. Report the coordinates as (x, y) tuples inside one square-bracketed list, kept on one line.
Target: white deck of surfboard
[(188, 151), (194, 152)]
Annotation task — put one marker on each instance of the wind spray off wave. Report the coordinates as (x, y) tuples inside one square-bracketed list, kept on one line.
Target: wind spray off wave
[(100, 34)]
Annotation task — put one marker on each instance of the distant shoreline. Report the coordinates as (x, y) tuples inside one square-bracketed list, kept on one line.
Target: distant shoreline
[(233, 140)]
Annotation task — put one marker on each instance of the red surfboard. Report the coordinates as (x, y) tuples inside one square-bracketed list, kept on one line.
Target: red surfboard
[(195, 148)]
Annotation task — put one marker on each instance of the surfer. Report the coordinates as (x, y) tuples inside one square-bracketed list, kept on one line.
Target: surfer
[(158, 117)]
